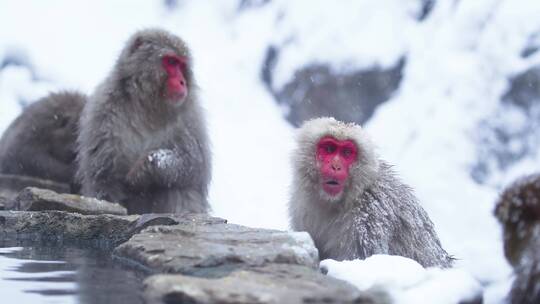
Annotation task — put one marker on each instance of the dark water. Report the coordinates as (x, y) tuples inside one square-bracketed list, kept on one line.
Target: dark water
[(52, 274)]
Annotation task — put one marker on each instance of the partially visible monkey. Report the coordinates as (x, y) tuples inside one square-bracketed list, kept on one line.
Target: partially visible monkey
[(143, 139), (41, 142), (351, 203), (518, 210)]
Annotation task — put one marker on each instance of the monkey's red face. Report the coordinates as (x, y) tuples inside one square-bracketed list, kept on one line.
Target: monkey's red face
[(335, 158), (176, 89)]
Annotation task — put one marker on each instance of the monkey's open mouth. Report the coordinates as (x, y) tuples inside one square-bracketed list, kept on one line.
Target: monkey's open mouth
[(332, 186)]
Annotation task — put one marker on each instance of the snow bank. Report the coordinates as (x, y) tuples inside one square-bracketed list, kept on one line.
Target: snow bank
[(406, 280)]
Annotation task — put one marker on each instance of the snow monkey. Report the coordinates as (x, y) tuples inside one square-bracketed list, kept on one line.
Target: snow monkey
[(351, 202), (143, 139), (518, 210), (41, 141)]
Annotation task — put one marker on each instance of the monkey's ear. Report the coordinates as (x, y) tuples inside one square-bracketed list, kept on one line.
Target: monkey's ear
[(135, 45)]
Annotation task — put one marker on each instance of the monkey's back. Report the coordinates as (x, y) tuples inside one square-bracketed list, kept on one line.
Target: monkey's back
[(526, 286), (40, 142), (404, 224)]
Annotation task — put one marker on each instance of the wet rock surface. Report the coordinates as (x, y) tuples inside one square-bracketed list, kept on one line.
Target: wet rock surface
[(275, 283), (154, 219), (58, 226), (194, 258), (35, 199), (11, 185), (201, 247)]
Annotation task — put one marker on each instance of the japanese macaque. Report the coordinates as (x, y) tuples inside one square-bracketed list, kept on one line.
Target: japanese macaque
[(351, 203), (143, 139), (41, 142), (518, 210)]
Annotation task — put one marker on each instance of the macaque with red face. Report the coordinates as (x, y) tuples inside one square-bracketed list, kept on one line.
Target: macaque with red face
[(351, 202), (334, 159), (143, 139), (175, 67)]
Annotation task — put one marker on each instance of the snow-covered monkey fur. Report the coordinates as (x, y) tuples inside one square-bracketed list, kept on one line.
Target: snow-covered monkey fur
[(143, 139), (375, 214)]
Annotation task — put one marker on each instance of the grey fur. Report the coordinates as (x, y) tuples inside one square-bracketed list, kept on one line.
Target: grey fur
[(518, 210), (41, 141), (377, 214), (137, 149)]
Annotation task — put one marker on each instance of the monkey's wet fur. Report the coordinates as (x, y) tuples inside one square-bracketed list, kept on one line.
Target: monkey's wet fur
[(143, 140), (40, 142), (518, 210), (364, 211)]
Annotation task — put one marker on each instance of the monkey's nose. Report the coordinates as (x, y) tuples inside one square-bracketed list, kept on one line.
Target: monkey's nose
[(336, 167)]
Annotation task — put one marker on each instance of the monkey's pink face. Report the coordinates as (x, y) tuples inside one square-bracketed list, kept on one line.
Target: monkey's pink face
[(177, 88), (335, 158)]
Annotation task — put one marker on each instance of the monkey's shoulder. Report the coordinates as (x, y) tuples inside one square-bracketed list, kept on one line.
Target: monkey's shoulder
[(389, 202)]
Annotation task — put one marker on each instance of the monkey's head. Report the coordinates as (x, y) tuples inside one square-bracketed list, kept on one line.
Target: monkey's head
[(156, 65), (57, 122), (518, 210), (334, 160)]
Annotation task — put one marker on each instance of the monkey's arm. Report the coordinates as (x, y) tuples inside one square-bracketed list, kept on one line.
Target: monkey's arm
[(165, 167), (411, 232)]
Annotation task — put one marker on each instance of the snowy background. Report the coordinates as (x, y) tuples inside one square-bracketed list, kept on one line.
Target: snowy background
[(451, 127)]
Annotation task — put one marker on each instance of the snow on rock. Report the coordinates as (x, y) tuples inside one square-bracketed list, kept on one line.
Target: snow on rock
[(348, 34), (303, 245), (406, 280)]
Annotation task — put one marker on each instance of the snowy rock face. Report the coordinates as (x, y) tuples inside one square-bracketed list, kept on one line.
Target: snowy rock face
[(518, 210), (510, 134), (318, 91)]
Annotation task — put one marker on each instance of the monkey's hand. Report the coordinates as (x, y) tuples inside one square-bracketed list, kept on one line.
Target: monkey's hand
[(150, 168)]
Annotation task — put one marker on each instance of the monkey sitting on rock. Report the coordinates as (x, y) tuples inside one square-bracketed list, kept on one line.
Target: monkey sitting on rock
[(518, 210), (41, 142), (351, 202), (143, 139)]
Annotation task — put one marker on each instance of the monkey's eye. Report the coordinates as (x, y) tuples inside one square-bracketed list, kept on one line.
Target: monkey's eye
[(347, 152), (329, 148), (172, 61)]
